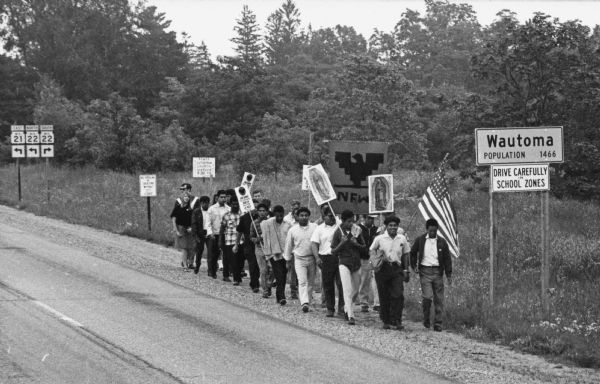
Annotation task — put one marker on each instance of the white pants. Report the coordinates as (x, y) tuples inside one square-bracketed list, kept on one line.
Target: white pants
[(350, 283), (305, 270)]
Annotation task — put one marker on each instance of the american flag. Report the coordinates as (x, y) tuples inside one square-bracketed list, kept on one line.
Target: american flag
[(436, 204)]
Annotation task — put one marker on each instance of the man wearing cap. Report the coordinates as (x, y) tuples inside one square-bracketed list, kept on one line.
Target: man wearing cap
[(215, 217)]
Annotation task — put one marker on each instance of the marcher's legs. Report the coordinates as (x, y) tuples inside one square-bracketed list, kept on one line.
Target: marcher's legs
[(293, 281), (213, 256), (349, 286), (381, 278), (328, 273), (250, 252), (266, 273), (305, 270), (237, 264), (280, 272), (365, 292), (396, 289), (438, 299), (227, 261), (199, 249)]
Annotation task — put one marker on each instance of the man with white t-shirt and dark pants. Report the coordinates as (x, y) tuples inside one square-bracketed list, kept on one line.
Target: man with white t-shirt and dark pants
[(430, 258), (330, 275)]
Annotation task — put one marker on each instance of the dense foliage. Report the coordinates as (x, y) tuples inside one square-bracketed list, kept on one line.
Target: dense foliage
[(124, 94)]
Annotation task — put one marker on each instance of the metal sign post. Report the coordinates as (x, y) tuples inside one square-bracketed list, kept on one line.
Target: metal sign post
[(492, 250), (148, 189)]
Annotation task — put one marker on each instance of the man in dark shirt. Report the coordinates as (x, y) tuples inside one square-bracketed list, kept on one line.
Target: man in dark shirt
[(248, 247), (366, 294), (200, 229)]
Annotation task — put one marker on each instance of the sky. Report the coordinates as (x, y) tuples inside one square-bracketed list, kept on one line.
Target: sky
[(212, 21)]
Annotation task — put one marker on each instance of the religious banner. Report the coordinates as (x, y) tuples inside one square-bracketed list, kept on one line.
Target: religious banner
[(350, 164), (381, 193), (319, 184)]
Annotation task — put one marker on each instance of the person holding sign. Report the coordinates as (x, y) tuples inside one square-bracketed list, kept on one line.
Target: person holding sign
[(346, 245)]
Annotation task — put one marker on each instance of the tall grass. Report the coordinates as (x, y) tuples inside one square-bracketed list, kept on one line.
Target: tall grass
[(111, 201)]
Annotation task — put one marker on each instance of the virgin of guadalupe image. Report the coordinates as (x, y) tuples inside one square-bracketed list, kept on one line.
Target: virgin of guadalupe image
[(318, 181), (380, 193)]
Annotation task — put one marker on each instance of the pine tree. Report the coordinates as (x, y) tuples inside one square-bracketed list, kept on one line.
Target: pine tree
[(284, 38), (249, 46)]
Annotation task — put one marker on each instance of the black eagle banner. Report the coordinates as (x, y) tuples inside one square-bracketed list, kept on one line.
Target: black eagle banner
[(350, 164)]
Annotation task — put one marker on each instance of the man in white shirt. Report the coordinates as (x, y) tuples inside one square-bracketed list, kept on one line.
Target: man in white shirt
[(215, 216), (298, 249), (430, 258), (394, 249), (330, 275)]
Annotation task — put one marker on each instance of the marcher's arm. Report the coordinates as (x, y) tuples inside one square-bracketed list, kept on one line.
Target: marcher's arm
[(337, 242), (289, 245), (175, 227)]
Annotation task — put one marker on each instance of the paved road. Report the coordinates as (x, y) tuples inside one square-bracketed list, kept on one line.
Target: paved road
[(68, 317)]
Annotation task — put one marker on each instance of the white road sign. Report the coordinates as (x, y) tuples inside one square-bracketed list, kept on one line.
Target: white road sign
[(244, 198), (17, 137), (519, 145), (519, 178), (147, 185), (32, 137), (33, 150), (18, 151), (47, 137), (47, 150), (203, 167), (15, 128), (46, 128)]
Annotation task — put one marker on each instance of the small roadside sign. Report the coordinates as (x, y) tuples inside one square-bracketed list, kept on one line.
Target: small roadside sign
[(18, 151), (33, 150), (518, 145), (203, 167), (147, 185), (47, 150), (17, 137), (519, 178)]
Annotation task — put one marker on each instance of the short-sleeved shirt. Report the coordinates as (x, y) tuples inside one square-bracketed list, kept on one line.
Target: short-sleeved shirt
[(323, 235), (392, 249), (230, 222)]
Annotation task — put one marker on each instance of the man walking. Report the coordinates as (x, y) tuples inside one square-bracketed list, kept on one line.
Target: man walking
[(430, 258), (247, 221), (266, 272), (215, 217), (330, 275), (298, 251), (229, 245), (274, 234), (366, 294), (201, 229), (393, 249)]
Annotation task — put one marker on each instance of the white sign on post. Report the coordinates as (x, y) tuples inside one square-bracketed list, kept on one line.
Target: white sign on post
[(319, 184), (17, 137), (47, 150), (18, 151), (519, 178), (244, 198), (203, 167), (519, 145), (33, 150), (32, 138), (248, 180), (305, 186), (147, 185)]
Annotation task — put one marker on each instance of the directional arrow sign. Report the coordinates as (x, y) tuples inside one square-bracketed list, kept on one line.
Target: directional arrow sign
[(47, 150), (18, 151), (33, 151)]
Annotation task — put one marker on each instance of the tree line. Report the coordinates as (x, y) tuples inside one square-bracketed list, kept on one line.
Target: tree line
[(123, 93)]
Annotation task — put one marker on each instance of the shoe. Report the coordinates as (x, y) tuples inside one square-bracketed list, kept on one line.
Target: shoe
[(236, 283), (244, 274), (268, 293), (304, 308), (294, 296), (214, 276), (265, 295), (385, 326), (426, 324), (376, 308), (437, 328), (346, 316), (227, 279), (283, 301), (364, 308), (196, 270), (190, 266), (351, 321), (399, 327), (329, 313), (255, 290)]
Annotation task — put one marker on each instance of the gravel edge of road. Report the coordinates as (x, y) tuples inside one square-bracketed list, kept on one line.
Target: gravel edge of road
[(447, 354)]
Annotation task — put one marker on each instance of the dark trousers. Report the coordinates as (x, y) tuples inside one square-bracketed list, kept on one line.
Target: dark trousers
[(390, 287), (214, 250), (231, 263), (432, 287), (199, 249), (250, 255), (330, 275), (280, 272)]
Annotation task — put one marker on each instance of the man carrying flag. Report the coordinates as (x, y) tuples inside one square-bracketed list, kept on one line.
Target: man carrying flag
[(430, 253)]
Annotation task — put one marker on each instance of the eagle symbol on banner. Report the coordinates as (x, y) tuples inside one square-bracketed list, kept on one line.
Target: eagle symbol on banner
[(359, 169)]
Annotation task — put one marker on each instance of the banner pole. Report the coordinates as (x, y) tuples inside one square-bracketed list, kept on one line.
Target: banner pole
[(492, 230), (334, 218), (19, 177), (149, 214)]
